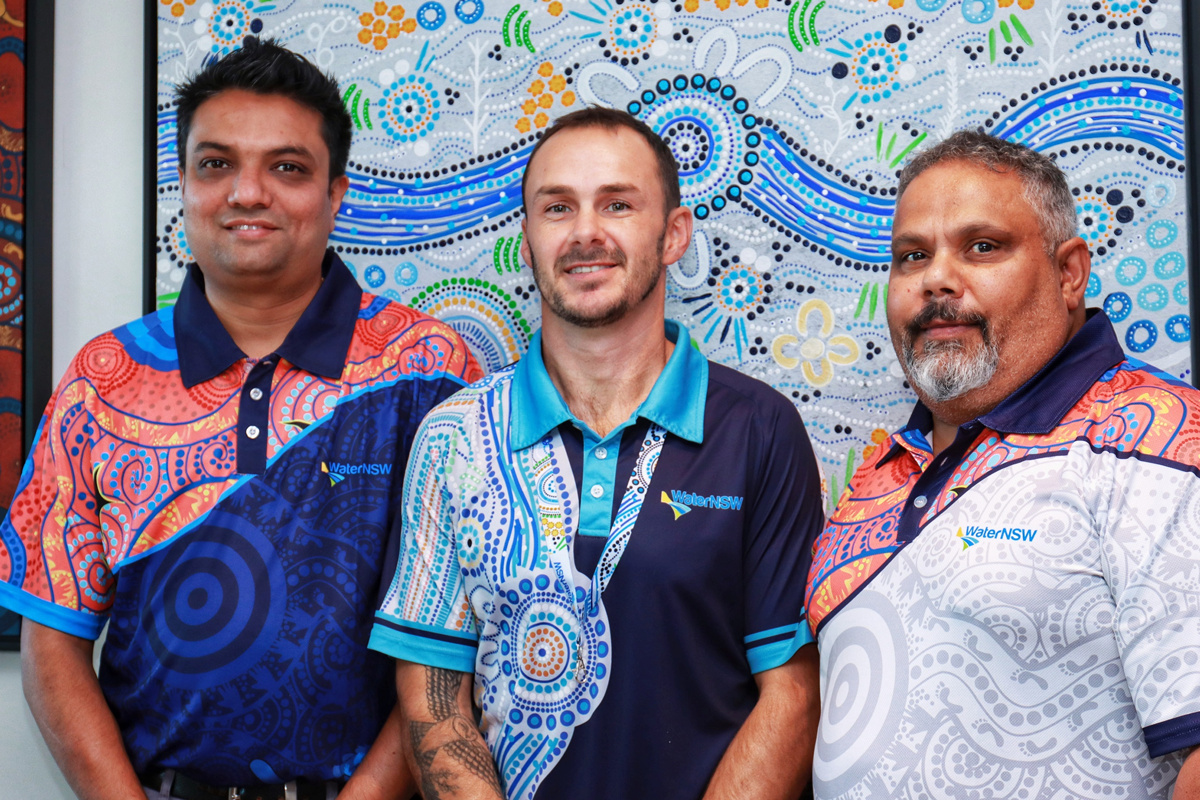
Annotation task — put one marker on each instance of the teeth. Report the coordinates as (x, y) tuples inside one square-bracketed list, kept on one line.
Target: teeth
[(247, 227), (584, 270)]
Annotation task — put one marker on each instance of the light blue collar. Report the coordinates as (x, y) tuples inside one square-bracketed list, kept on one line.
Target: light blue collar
[(676, 402)]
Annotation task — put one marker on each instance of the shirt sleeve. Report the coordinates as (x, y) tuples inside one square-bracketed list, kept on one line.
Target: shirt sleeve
[(54, 567), (1151, 560), (785, 521), (424, 616)]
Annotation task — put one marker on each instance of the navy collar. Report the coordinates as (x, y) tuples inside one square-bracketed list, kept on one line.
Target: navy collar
[(317, 343), (1038, 406)]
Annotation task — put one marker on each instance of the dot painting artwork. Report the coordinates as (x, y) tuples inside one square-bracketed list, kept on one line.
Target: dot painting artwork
[(790, 120)]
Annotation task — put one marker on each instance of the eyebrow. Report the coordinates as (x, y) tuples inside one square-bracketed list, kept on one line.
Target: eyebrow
[(286, 150), (608, 188), (973, 229)]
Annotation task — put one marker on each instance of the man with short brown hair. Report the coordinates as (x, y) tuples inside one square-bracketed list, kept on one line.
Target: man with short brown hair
[(1005, 599), (600, 542)]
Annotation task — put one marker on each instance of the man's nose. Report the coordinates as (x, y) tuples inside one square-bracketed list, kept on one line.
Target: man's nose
[(941, 276), (249, 190), (587, 229)]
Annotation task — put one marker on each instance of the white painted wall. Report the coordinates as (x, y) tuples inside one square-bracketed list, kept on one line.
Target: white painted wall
[(97, 262)]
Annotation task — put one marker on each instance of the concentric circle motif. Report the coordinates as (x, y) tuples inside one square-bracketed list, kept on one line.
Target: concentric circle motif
[(470, 546), (483, 314), (1096, 219), (431, 16), (230, 25), (10, 290), (711, 135), (739, 289), (1170, 265), (108, 365), (374, 276), (1179, 328), (1161, 233), (1153, 297), (632, 30), (406, 274), (863, 694), (409, 108), (1130, 271), (875, 65), (1118, 306), (1141, 336), (978, 12), (213, 603), (468, 11)]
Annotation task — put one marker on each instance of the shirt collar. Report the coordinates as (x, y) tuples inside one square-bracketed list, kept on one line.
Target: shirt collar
[(676, 402), (317, 343), (1038, 407)]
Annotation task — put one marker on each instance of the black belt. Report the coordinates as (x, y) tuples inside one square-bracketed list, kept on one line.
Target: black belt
[(185, 788)]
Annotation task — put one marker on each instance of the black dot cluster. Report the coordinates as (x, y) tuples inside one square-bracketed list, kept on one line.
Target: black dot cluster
[(1136, 20)]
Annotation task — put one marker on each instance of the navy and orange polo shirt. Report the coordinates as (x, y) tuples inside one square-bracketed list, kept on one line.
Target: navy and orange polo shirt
[(230, 520)]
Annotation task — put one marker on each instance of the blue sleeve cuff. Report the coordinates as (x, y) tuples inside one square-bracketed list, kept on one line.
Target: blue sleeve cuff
[(774, 648), (1174, 734), (424, 644), (43, 612)]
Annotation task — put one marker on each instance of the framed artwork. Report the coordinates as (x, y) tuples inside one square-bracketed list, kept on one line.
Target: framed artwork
[(26, 104), (790, 120)]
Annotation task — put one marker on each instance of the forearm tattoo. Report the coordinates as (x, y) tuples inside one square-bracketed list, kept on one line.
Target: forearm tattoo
[(450, 747)]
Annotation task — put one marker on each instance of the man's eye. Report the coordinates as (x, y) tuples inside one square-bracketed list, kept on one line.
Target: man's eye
[(212, 163), (288, 168), (914, 256), (618, 205), (557, 208), (983, 247)]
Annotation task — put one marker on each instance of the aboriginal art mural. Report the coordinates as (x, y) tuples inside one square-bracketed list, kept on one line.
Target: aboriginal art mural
[(790, 120), (12, 260)]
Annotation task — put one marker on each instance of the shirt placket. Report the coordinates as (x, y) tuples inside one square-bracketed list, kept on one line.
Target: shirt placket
[(935, 472), (599, 481), (254, 413)]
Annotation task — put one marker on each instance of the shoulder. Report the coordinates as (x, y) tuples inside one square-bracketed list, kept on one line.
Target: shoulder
[(471, 406), (395, 337), (733, 392), (113, 359), (1138, 410)]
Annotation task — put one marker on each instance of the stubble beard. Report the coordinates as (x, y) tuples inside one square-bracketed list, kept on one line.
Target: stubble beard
[(946, 369), (643, 280)]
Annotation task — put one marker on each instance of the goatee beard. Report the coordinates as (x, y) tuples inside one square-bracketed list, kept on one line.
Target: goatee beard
[(615, 312), (945, 370)]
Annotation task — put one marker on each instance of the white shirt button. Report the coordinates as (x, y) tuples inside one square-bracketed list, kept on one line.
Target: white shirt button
[(601, 453), (597, 491), (920, 501), (253, 432), (256, 393)]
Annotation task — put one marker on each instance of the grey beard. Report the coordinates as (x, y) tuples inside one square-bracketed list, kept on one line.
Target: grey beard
[(945, 371)]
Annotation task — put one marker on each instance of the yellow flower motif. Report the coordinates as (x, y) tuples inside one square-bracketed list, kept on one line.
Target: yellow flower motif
[(529, 106), (543, 97), (541, 119), (555, 9), (536, 88), (558, 83), (546, 69), (817, 353)]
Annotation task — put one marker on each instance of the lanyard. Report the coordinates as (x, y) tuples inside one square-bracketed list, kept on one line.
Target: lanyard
[(627, 515)]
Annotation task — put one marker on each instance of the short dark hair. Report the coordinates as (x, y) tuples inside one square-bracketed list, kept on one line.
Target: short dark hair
[(265, 67), (611, 119)]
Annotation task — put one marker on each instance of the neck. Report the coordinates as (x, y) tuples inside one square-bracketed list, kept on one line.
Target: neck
[(604, 374), (258, 318)]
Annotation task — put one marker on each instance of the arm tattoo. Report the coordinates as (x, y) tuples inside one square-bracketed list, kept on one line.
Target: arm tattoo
[(452, 740)]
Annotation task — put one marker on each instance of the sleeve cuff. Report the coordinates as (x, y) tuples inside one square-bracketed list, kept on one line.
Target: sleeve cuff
[(1174, 734), (424, 644), (43, 612), (774, 648)]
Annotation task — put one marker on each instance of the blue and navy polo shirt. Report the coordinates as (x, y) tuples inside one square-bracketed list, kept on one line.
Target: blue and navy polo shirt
[(707, 594), (231, 519)]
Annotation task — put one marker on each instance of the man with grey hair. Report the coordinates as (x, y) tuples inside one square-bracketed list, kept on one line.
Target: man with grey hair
[(1005, 600)]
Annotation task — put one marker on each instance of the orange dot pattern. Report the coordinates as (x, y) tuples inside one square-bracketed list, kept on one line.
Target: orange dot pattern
[(178, 6), (544, 91), (544, 654), (383, 23)]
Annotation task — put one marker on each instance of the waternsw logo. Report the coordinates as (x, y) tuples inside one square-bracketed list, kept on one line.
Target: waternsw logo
[(337, 472), (972, 534), (683, 502)]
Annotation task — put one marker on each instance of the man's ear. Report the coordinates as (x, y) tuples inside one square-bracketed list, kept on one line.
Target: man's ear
[(1074, 264), (526, 254), (337, 190), (678, 234)]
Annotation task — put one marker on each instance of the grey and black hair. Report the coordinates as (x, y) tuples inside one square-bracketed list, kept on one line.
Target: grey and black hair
[(1046, 187)]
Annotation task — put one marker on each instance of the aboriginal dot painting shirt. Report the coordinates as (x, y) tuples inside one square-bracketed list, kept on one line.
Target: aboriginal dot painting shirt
[(231, 520), (509, 502), (1020, 616)]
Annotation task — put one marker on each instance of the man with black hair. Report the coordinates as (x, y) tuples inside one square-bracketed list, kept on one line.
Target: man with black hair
[(218, 482), (601, 544)]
